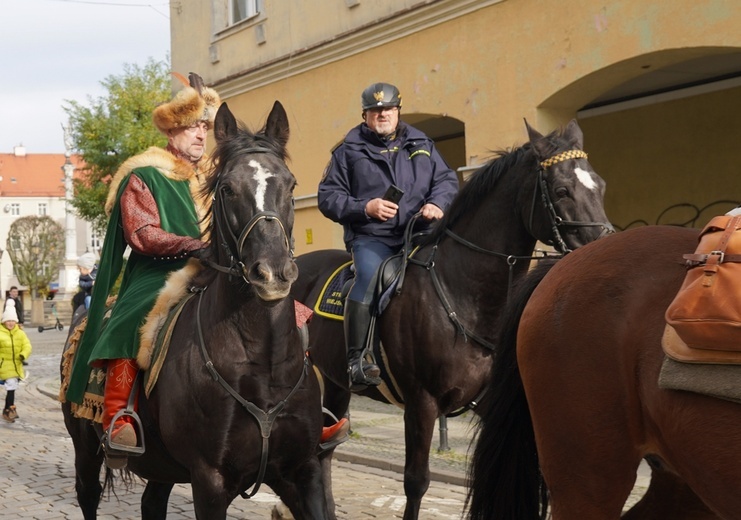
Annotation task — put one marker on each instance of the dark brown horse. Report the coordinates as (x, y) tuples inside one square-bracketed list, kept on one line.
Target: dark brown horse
[(574, 402), (235, 386), (438, 354)]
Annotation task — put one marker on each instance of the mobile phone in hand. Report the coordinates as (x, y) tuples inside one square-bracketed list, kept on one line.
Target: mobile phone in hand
[(393, 194)]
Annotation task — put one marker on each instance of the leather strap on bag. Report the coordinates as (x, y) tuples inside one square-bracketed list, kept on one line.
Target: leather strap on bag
[(718, 256)]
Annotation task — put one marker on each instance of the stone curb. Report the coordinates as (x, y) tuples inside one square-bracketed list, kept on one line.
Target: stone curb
[(50, 388), (446, 477)]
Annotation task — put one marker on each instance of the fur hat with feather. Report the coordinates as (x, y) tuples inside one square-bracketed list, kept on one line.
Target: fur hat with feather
[(196, 102)]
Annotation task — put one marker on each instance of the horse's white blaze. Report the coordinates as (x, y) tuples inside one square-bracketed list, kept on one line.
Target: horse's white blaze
[(261, 176), (585, 178)]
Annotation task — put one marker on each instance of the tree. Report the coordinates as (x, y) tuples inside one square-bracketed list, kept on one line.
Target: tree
[(36, 247), (112, 129)]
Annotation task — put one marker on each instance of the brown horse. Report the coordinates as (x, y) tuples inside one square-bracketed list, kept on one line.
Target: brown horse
[(574, 403), (235, 404), (438, 332)]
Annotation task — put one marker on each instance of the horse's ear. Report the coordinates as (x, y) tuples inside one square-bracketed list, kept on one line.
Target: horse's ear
[(539, 144), (574, 135), (276, 127), (225, 124), (532, 133)]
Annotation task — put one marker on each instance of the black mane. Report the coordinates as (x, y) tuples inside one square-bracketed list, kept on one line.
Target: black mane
[(478, 187)]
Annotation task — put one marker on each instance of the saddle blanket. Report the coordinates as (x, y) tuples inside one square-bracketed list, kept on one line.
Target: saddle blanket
[(709, 376), (329, 303), (92, 401), (719, 381)]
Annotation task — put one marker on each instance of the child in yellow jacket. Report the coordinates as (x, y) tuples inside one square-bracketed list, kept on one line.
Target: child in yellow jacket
[(15, 347)]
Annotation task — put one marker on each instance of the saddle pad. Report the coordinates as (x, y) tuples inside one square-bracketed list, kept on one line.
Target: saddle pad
[(162, 344), (329, 303), (719, 381), (91, 407)]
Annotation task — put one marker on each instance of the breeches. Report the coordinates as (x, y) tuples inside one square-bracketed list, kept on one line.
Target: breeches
[(367, 253)]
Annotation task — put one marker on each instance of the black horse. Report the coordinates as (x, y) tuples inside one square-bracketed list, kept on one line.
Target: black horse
[(235, 404), (437, 334)]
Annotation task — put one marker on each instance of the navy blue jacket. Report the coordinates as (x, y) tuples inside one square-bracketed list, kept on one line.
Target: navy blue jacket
[(363, 167)]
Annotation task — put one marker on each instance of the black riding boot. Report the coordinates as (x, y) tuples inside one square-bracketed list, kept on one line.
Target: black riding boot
[(357, 323)]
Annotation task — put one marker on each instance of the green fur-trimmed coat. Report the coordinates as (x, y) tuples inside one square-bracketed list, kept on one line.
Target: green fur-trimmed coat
[(174, 185)]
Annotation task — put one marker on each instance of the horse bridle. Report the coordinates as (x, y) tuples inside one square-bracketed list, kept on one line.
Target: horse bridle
[(556, 221), (237, 266), (558, 243)]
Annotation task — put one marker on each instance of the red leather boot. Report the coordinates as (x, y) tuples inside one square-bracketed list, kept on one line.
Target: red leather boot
[(336, 432), (118, 385)]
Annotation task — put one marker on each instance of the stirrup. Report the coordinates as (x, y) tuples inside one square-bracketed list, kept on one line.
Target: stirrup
[(118, 450), (359, 380)]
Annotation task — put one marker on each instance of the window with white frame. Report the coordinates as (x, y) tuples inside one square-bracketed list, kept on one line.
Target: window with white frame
[(15, 208), (96, 241), (241, 10), (42, 208)]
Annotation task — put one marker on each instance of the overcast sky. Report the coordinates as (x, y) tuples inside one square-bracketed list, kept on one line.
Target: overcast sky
[(57, 50)]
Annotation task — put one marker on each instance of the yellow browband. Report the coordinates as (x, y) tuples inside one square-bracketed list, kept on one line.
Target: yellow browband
[(563, 156)]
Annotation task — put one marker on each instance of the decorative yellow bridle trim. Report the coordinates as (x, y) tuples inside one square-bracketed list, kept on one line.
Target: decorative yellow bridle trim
[(563, 156)]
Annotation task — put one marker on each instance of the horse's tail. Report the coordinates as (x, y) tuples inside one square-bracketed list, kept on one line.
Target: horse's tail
[(504, 475)]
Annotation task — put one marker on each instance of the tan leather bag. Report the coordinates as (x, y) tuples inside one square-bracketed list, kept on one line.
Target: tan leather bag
[(706, 313)]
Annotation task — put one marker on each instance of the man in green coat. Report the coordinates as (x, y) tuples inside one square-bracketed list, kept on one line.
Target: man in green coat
[(154, 209)]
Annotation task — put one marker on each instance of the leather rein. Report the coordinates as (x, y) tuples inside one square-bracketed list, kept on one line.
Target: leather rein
[(558, 242), (237, 268)]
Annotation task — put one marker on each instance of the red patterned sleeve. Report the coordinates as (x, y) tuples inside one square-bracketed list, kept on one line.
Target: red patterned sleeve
[(141, 225)]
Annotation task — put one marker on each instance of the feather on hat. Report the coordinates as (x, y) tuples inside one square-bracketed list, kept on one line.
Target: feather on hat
[(196, 102)]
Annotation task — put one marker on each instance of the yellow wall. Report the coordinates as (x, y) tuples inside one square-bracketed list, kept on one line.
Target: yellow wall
[(488, 64), (673, 153)]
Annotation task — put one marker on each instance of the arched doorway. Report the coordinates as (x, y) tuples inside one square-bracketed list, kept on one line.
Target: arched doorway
[(448, 133), (662, 130)]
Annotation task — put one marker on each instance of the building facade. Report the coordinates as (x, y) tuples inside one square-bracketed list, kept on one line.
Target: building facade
[(655, 86), (40, 184)]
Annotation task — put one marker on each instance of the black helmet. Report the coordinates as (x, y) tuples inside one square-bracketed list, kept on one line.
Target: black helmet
[(381, 95)]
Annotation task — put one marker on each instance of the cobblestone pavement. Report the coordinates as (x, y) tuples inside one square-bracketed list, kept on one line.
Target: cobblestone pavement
[(37, 476)]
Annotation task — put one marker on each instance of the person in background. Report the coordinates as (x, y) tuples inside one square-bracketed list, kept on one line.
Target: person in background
[(379, 156), (15, 348), (86, 266), (13, 294)]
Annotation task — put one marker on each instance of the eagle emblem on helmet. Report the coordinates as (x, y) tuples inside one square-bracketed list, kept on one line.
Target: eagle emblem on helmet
[(378, 96)]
